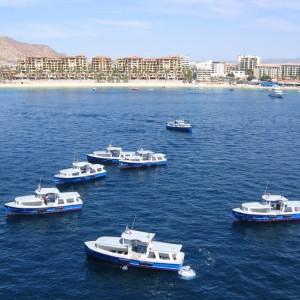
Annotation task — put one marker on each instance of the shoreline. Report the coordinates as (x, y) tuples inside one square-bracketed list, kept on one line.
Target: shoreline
[(136, 84)]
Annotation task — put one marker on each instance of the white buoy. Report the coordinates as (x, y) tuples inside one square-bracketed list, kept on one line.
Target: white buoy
[(186, 272)]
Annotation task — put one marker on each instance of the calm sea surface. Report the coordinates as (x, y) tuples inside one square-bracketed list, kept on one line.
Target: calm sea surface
[(240, 140)]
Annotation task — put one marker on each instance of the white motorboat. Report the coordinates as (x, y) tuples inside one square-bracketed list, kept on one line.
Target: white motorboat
[(273, 208), (44, 201), (81, 171), (137, 249), (276, 92), (111, 155), (179, 125), (143, 158)]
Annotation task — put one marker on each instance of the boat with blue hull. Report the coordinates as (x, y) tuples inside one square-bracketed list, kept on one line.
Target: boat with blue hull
[(81, 171), (143, 158), (137, 249), (273, 208), (44, 201), (111, 155), (179, 125)]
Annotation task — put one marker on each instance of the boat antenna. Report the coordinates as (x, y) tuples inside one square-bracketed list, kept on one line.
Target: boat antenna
[(133, 222), (74, 156), (40, 183), (266, 187)]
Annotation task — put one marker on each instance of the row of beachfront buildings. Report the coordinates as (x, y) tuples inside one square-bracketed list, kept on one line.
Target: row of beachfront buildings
[(175, 67), (102, 68), (245, 66)]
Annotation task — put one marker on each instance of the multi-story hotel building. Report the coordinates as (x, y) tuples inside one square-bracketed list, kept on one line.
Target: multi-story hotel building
[(273, 71), (130, 65), (101, 64), (248, 62), (169, 67), (204, 71), (48, 64), (290, 71), (74, 63), (218, 69), (160, 68), (149, 68)]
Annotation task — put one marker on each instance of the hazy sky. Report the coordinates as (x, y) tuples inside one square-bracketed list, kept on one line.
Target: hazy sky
[(202, 29)]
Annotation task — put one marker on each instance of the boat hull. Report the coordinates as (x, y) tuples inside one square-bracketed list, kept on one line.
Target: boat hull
[(130, 165), (97, 160), (238, 216), (188, 129), (131, 262), (43, 210), (61, 180), (276, 96)]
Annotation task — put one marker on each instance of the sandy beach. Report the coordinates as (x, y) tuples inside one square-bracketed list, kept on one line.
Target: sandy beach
[(133, 84)]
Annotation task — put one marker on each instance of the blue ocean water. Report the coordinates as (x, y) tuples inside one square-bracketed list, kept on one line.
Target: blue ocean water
[(240, 141)]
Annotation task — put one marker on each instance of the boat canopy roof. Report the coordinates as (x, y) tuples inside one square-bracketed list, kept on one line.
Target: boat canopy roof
[(110, 241), (144, 237), (96, 166), (255, 205), (142, 151), (270, 197), (166, 247), (111, 148), (158, 154), (81, 163), (43, 191), (69, 195), (69, 171)]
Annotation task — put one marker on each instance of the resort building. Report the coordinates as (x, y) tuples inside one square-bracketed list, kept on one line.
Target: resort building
[(204, 71), (101, 64), (290, 71), (130, 65), (74, 63), (42, 67), (248, 62), (271, 70), (169, 67), (218, 69), (149, 68)]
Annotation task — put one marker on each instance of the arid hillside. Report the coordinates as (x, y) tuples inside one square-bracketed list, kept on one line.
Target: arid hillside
[(11, 51)]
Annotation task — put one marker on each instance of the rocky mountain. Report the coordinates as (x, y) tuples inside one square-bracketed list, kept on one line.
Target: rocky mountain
[(11, 51)]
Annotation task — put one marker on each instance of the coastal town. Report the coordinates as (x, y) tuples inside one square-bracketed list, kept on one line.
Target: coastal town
[(176, 69)]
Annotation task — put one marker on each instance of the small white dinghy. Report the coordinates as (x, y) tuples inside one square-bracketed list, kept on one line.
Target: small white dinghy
[(186, 272)]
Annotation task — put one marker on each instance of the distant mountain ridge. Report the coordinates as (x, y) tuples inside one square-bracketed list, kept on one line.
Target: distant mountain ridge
[(11, 51), (281, 61)]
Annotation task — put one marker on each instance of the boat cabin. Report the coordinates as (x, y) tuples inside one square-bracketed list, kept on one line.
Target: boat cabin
[(144, 154), (272, 203), (179, 123), (147, 155), (165, 251), (69, 172), (85, 167)]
